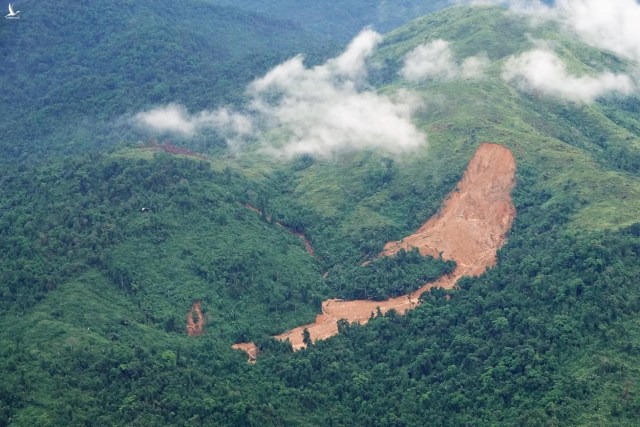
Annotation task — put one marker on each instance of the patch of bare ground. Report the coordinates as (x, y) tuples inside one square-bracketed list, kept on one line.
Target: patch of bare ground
[(472, 224), (469, 228), (248, 347), (168, 147), (195, 320)]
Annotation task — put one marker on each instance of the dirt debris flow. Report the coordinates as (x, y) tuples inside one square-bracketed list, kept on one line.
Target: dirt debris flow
[(470, 227)]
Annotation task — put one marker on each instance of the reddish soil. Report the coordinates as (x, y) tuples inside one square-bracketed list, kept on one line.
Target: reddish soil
[(307, 243), (248, 347), (168, 147), (469, 229), (195, 320), (475, 217), (301, 236)]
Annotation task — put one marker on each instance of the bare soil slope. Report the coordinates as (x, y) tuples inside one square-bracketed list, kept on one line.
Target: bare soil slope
[(469, 229), (475, 217)]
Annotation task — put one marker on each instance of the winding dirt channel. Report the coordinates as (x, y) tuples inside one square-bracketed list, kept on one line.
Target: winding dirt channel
[(301, 236), (470, 227)]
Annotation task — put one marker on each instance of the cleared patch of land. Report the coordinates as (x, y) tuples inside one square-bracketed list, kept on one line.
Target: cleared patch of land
[(477, 214), (195, 320), (248, 347)]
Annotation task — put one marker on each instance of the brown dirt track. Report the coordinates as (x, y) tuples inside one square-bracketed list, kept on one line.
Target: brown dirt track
[(469, 229)]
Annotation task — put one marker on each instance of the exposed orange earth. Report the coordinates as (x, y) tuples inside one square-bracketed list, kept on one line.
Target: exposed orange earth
[(475, 218), (469, 229), (195, 327), (248, 347)]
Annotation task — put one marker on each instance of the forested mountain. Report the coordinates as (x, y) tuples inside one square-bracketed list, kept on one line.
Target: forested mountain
[(105, 250), (71, 71)]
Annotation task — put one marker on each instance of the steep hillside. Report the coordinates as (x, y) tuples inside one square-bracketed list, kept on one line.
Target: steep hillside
[(585, 155), (600, 139), (127, 274), (469, 229)]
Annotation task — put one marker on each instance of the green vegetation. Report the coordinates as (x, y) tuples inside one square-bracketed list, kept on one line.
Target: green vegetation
[(341, 20), (102, 254), (536, 340), (350, 209), (589, 152), (165, 232), (71, 80), (387, 277), (538, 337)]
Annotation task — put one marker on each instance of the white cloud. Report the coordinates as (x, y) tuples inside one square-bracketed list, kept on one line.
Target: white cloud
[(606, 24), (322, 110), (429, 61), (473, 67), (435, 60), (169, 118), (174, 118), (326, 109), (612, 24), (351, 63), (541, 71)]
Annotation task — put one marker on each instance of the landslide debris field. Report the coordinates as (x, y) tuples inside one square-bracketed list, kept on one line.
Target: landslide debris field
[(469, 229)]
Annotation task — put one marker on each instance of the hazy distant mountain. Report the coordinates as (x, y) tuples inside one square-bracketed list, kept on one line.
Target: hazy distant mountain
[(343, 19)]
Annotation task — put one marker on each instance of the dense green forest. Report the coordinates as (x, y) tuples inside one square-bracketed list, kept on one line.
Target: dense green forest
[(548, 331), (107, 241)]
